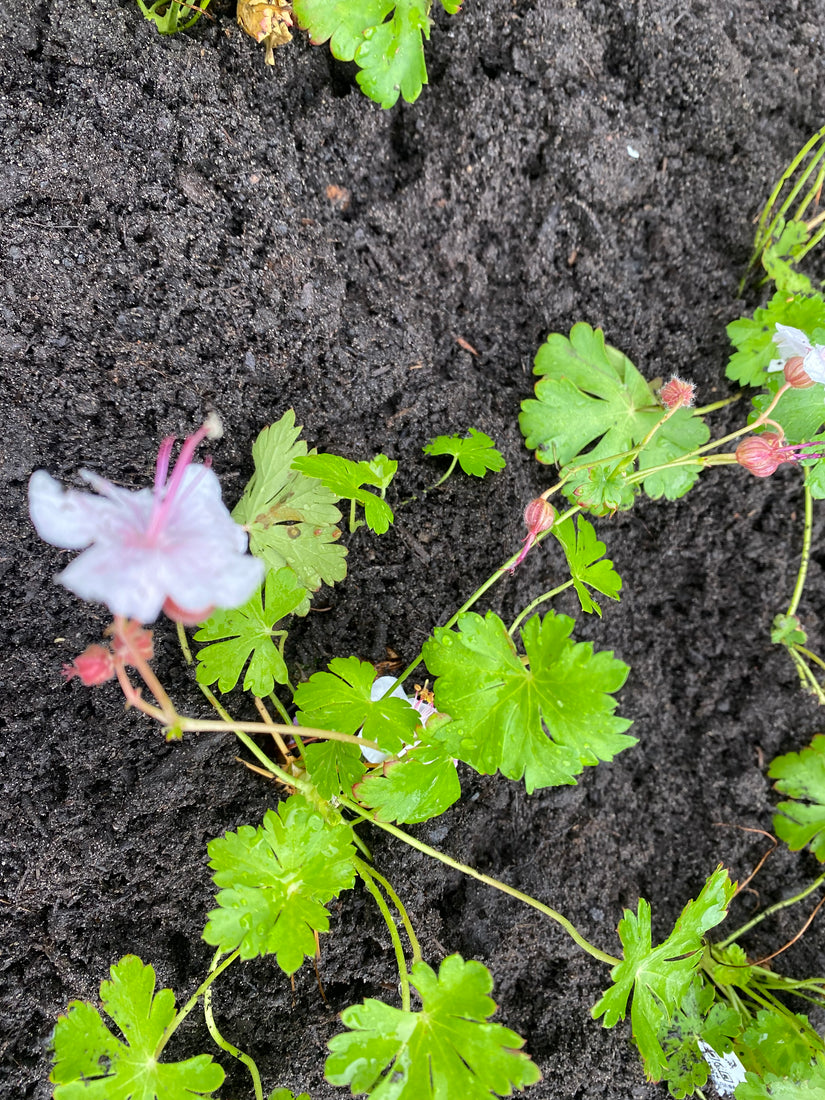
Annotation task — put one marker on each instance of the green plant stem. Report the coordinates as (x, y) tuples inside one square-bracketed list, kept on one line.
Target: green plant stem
[(215, 970), (441, 480), (806, 674), (734, 936), (705, 409), (536, 603), (366, 874), (553, 914), (394, 898), (353, 524), (279, 706), (809, 653), (224, 1044), (807, 532)]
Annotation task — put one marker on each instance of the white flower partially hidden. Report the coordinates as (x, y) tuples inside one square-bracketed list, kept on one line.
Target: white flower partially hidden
[(174, 547), (791, 342), (380, 687)]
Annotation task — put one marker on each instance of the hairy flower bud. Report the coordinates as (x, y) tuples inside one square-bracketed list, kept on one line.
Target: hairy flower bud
[(677, 393), (761, 454), (796, 375), (95, 665)]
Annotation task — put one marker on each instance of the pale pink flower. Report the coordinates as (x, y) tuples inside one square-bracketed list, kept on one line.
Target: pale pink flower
[(793, 342), (174, 544)]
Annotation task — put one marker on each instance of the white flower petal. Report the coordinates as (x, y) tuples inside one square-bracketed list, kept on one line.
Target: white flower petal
[(65, 518), (126, 582), (791, 341), (814, 363)]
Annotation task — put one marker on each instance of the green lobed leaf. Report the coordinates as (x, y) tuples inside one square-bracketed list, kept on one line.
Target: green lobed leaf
[(778, 1044), (334, 767), (346, 479), (697, 1018), (245, 634), (680, 434), (787, 630), (421, 785), (589, 393), (753, 336), (340, 700), (658, 977), (90, 1063), (802, 776), (287, 1094), (291, 519), (545, 720), (448, 1049), (808, 1085), (731, 966), (275, 881), (341, 22), (587, 563), (779, 256), (476, 454), (603, 489), (391, 58)]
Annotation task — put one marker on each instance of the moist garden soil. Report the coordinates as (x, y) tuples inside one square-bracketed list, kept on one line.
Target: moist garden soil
[(184, 229)]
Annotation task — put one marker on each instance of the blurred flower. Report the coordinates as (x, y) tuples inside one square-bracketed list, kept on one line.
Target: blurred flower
[(380, 686), (174, 544), (95, 665), (792, 343)]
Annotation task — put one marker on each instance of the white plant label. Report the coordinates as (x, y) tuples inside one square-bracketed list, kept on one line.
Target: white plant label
[(726, 1071)]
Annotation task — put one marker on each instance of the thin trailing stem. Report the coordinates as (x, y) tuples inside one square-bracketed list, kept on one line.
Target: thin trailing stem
[(553, 914), (224, 1044), (279, 706), (394, 898), (775, 908), (441, 480), (537, 603), (807, 532), (367, 877), (214, 972)]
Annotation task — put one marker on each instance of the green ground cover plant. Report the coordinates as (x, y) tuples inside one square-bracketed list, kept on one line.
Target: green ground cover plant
[(350, 748)]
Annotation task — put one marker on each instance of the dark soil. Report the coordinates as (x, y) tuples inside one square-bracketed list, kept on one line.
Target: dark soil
[(169, 247)]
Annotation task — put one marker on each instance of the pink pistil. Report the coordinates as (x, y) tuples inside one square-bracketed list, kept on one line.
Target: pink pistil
[(166, 491)]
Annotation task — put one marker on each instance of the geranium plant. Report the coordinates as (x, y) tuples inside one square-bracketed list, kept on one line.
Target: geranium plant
[(353, 748)]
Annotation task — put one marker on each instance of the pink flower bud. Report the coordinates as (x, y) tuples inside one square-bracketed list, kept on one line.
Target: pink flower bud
[(677, 393), (95, 665), (761, 454), (131, 640), (796, 375), (539, 515)]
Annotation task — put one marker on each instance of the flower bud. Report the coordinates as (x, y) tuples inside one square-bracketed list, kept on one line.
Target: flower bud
[(95, 665), (677, 393), (184, 615), (796, 375), (131, 639), (539, 515), (761, 454)]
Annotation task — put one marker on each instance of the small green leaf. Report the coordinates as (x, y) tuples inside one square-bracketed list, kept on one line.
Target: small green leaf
[(334, 767), (787, 630), (806, 1084), (779, 256), (247, 632), (476, 454), (602, 489), (342, 22), (680, 434), (589, 394), (588, 566), (391, 58), (544, 720), (731, 966), (287, 1094), (291, 519), (275, 881), (448, 1049), (346, 479), (658, 977), (91, 1063), (340, 700), (753, 337), (420, 786), (802, 775), (775, 1043), (697, 1018)]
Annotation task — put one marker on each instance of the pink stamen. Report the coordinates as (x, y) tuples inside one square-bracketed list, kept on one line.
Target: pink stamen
[(167, 491)]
